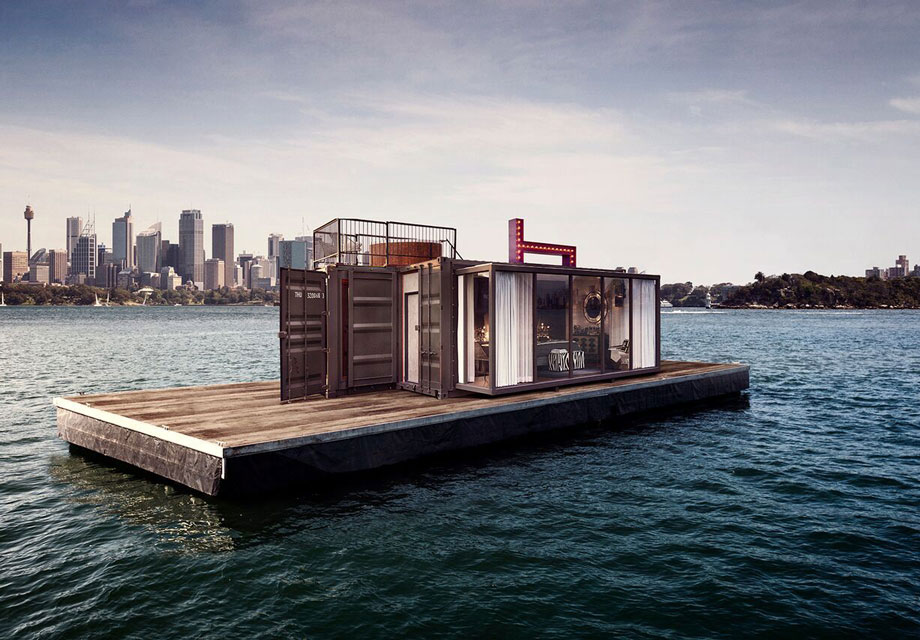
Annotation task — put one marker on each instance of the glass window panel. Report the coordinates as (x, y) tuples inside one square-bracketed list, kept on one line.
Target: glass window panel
[(616, 324), (551, 351), (587, 318)]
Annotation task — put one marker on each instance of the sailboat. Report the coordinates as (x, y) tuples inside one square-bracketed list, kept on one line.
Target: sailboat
[(97, 303), (2, 300), (107, 299)]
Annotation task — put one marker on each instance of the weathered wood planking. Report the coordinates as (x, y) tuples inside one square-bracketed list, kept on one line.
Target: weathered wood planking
[(248, 413)]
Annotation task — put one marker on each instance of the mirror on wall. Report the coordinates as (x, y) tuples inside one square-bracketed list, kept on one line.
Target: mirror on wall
[(593, 307)]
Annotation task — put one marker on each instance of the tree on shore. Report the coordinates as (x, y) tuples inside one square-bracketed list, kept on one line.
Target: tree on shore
[(83, 295)]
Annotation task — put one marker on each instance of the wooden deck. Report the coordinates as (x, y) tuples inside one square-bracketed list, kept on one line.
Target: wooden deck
[(237, 416), (234, 420)]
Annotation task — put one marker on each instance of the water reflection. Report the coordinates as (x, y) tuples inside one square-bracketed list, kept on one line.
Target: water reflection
[(179, 519)]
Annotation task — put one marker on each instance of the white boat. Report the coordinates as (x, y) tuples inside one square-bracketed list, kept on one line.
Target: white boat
[(708, 301), (97, 303), (107, 299), (665, 304), (2, 300)]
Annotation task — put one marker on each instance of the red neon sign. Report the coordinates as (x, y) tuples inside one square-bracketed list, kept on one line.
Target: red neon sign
[(517, 246)]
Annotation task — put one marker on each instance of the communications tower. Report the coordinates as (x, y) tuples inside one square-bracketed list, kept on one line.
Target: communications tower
[(28, 215)]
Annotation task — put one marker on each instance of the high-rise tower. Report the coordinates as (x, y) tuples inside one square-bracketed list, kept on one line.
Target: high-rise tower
[(123, 241), (74, 227), (274, 245), (29, 214), (84, 258), (222, 248), (149, 244), (191, 246)]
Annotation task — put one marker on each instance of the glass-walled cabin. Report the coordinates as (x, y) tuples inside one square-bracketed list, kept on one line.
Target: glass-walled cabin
[(523, 327)]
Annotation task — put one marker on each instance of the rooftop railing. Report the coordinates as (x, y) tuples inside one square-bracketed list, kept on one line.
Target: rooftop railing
[(373, 243)]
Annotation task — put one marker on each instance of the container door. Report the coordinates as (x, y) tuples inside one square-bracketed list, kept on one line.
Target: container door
[(303, 333), (430, 329), (373, 323)]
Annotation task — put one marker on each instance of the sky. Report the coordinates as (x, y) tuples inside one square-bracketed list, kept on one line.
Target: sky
[(703, 141)]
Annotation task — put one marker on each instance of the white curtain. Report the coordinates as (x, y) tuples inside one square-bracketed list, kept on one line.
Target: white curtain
[(512, 328), (461, 330), (645, 310), (465, 329), (618, 317)]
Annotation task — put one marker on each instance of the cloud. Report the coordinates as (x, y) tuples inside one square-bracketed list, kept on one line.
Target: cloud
[(471, 162), (907, 105), (284, 96), (868, 131), (713, 101), (711, 96), (568, 114)]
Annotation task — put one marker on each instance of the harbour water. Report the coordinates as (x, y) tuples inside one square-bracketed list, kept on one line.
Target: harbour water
[(793, 511)]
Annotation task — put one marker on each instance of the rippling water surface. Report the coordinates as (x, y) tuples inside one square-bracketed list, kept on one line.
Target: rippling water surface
[(793, 511)]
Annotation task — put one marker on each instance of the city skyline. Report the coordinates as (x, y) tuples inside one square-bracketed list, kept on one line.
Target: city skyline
[(212, 240), (169, 230), (701, 141), (148, 259)]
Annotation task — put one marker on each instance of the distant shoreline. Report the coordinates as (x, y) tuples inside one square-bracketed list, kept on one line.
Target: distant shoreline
[(138, 304), (25, 294), (756, 307), (809, 290), (715, 307)]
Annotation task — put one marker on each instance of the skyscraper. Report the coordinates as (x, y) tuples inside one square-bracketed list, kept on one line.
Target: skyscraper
[(107, 275), (245, 261), (83, 261), (294, 254), (169, 254), (262, 274), (57, 262), (309, 241), (148, 249), (74, 227), (123, 241), (274, 252), (15, 265), (191, 246), (222, 248), (214, 273), (103, 255), (274, 245)]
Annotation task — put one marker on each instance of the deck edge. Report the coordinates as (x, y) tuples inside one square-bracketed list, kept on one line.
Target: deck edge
[(385, 427), (190, 442)]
